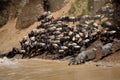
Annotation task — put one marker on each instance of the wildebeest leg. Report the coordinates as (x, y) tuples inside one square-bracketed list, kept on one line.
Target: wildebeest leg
[(76, 63), (110, 51), (25, 55), (82, 61), (101, 57), (31, 54), (71, 62), (86, 58), (94, 59), (103, 53), (95, 56)]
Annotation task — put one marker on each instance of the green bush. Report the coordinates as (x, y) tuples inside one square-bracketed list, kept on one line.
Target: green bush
[(79, 7)]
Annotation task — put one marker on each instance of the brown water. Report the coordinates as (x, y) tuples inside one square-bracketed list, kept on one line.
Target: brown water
[(36, 69)]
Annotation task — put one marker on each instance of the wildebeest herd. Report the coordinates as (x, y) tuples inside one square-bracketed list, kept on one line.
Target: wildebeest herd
[(57, 37)]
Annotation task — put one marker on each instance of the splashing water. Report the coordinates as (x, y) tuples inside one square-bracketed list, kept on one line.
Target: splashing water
[(7, 62)]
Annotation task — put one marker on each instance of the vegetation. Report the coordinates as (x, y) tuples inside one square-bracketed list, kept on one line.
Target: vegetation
[(3, 12), (79, 7), (3, 17), (3, 4)]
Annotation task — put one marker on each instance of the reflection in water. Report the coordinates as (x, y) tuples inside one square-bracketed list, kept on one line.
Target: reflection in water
[(35, 69)]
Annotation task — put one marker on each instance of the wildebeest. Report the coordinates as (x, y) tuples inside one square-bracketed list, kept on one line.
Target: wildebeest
[(44, 15), (46, 5), (105, 49), (83, 56), (117, 44)]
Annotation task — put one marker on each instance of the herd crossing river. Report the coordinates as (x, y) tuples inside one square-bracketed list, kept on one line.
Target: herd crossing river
[(58, 38)]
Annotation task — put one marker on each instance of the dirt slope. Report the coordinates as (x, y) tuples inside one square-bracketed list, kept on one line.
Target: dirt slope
[(10, 36)]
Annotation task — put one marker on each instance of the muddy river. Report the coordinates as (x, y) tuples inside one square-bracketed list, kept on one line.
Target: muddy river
[(36, 69)]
